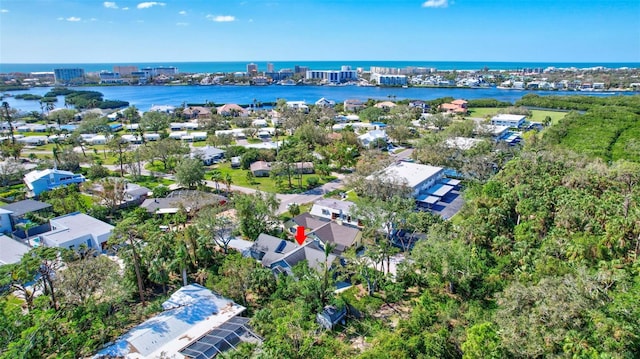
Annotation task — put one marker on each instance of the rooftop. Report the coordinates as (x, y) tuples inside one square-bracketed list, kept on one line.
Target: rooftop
[(413, 173), (12, 250), (189, 314), (21, 208), (75, 225)]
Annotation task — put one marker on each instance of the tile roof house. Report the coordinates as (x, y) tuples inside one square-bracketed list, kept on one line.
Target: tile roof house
[(195, 323), (231, 109), (45, 180), (196, 112), (457, 106)]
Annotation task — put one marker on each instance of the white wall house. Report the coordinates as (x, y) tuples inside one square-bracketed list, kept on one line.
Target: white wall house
[(508, 120), (416, 176), (334, 210), (75, 229)]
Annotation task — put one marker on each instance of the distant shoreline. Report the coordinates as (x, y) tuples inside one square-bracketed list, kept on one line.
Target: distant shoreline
[(236, 66)]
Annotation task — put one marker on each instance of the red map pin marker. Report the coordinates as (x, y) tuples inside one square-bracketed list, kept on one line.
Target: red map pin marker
[(300, 236)]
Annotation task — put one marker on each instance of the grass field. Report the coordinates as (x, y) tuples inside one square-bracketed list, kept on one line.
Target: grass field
[(536, 115), (266, 184)]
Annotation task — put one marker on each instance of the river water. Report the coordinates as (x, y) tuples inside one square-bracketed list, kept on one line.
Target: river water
[(143, 97)]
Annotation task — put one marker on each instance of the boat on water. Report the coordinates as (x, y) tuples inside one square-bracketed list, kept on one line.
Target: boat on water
[(288, 82)]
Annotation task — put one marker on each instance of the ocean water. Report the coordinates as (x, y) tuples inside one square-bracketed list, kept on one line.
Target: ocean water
[(212, 67), (143, 97)]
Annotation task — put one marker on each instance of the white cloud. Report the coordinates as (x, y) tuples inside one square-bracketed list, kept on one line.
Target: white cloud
[(221, 18), (125, 8), (4, 11), (436, 3), (182, 12), (110, 5), (148, 4), (73, 19), (182, 24)]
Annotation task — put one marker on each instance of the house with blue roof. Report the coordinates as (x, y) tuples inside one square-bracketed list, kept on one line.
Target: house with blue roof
[(46, 180)]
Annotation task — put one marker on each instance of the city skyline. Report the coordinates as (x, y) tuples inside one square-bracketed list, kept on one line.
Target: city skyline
[(66, 31)]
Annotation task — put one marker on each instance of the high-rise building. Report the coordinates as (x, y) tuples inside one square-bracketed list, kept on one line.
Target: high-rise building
[(270, 67), (125, 70), (252, 69), (69, 75), (300, 69)]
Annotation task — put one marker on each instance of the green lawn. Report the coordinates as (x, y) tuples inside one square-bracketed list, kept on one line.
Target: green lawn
[(265, 184), (536, 115), (152, 182)]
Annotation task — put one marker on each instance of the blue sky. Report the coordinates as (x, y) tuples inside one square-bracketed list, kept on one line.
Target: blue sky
[(81, 31)]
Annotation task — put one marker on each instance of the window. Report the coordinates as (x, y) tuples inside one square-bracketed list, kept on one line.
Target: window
[(325, 212)]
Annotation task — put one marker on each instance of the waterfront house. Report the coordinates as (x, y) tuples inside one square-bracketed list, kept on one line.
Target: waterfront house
[(323, 102), (231, 109), (196, 112), (353, 105), (45, 180)]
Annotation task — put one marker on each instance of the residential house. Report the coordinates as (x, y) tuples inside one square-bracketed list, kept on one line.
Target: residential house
[(339, 236), (455, 107), (514, 121), (19, 210), (5, 221), (231, 109), (331, 316), (372, 137), (190, 201), (260, 168), (416, 176), (259, 122), (168, 109), (33, 140), (151, 136), (208, 154), (335, 210), (353, 105), (194, 323), (134, 193), (323, 102), (298, 105), (75, 229), (196, 112), (306, 220), (45, 180), (12, 250), (385, 105), (282, 255)]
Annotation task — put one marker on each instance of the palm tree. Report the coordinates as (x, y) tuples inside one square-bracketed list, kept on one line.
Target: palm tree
[(7, 117), (216, 177), (228, 180), (26, 227)]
